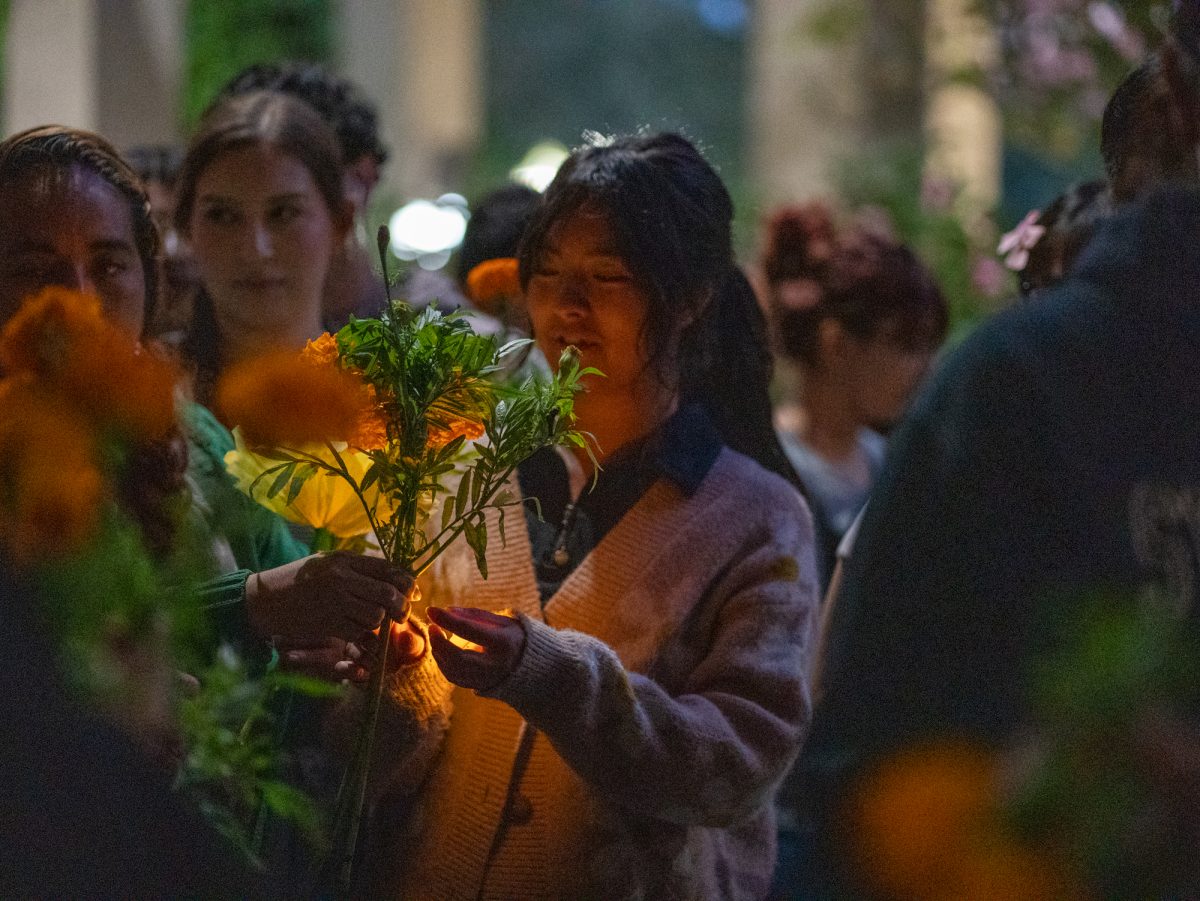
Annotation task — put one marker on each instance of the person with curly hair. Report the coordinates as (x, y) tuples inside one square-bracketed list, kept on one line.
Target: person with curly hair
[(859, 317)]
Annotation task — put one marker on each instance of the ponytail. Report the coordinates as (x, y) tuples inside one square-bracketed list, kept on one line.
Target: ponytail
[(727, 367)]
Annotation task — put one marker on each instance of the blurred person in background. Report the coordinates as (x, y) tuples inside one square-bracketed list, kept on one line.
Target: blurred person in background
[(353, 285), (1055, 454), (861, 318), (494, 231), (157, 166)]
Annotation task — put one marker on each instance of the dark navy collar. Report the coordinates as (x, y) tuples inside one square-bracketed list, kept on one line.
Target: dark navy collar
[(683, 449)]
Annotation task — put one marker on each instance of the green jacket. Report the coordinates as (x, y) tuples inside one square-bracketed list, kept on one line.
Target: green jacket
[(247, 537)]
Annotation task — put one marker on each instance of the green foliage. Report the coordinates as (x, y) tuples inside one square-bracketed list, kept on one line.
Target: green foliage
[(224, 37), (436, 381), (1118, 666), (233, 765)]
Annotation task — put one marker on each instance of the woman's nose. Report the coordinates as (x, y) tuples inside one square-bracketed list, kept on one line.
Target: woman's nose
[(79, 278), (261, 239), (573, 294)]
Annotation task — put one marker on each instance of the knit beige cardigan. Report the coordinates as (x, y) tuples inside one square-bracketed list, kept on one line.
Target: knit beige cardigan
[(635, 751)]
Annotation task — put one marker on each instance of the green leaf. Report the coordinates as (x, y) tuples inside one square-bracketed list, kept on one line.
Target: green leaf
[(370, 478), (476, 535), (447, 511), (284, 476), (476, 488), (464, 492), (500, 525), (304, 472)]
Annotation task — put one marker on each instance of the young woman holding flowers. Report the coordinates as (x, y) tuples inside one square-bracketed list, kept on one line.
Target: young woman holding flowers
[(72, 214), (628, 684)]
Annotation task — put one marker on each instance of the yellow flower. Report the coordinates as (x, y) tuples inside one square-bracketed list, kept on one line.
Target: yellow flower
[(325, 502), (493, 282), (282, 400), (51, 489)]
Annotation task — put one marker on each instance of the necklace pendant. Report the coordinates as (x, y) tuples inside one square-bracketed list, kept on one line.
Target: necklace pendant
[(561, 557)]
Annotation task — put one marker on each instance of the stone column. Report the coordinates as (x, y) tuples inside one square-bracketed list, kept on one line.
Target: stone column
[(113, 66), (963, 127), (804, 100), (422, 63), (51, 61)]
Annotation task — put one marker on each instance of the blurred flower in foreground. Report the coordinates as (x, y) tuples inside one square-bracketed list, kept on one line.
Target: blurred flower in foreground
[(61, 337), (51, 489), (928, 824), (280, 398)]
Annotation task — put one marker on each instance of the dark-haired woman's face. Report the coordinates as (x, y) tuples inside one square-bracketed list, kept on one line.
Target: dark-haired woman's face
[(582, 293), (263, 238), (75, 230)]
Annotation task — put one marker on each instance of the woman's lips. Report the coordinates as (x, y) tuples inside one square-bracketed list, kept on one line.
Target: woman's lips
[(260, 284)]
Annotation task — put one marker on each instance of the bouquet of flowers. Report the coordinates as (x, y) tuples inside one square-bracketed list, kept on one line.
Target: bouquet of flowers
[(396, 433)]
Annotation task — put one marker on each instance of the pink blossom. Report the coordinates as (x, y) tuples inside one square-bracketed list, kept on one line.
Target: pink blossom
[(1015, 245)]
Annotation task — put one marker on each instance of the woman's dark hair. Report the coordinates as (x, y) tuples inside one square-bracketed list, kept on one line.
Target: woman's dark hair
[(340, 103), (670, 217), (859, 277), (496, 225), (55, 149), (1070, 221), (1150, 133), (284, 123)]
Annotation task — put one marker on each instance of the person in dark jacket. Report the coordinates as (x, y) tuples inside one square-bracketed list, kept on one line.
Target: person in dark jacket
[(1057, 450)]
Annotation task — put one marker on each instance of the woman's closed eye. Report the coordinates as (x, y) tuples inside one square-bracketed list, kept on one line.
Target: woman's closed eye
[(112, 265), (286, 213), (220, 214)]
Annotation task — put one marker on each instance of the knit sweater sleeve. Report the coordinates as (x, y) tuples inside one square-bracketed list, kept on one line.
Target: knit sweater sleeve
[(713, 752), (413, 718)]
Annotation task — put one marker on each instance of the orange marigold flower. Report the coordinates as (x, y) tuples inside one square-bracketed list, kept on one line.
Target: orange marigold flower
[(48, 329), (61, 336), (279, 399), (322, 351), (370, 429), (51, 489), (493, 282), (441, 435), (121, 385), (928, 824)]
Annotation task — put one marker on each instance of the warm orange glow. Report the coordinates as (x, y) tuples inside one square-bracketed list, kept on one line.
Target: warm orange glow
[(927, 824)]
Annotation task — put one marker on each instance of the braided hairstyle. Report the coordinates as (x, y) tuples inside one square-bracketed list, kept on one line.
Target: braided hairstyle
[(52, 150)]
